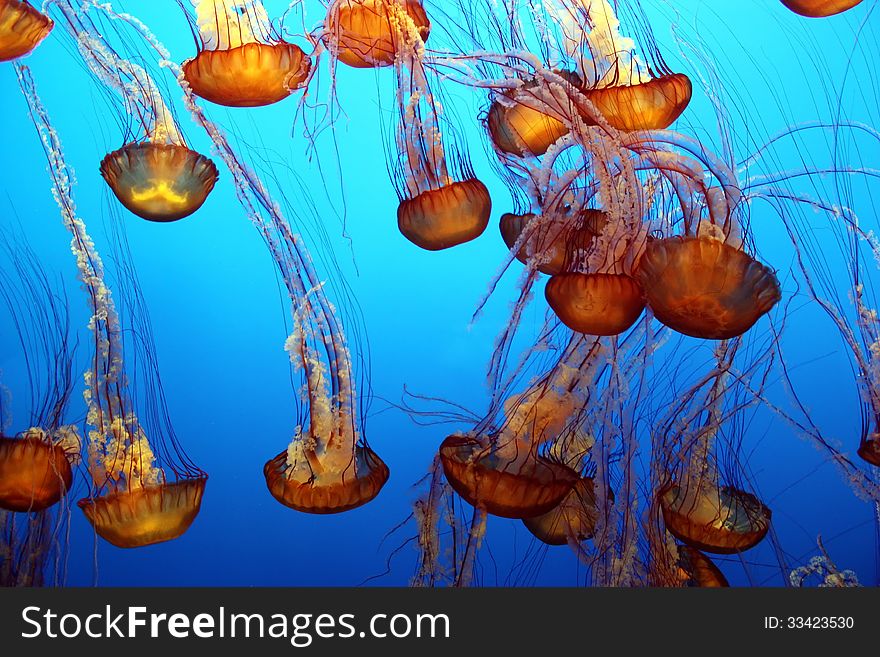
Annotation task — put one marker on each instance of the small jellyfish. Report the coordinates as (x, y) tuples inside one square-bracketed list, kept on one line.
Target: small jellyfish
[(157, 177), (869, 449), (519, 129), (159, 182), (698, 570), (651, 105), (702, 287), (629, 94), (241, 62), (503, 471), (595, 304), (575, 517), (22, 28), (520, 487), (820, 8), (721, 520), (326, 468), (366, 33), (553, 247), (35, 471), (448, 216)]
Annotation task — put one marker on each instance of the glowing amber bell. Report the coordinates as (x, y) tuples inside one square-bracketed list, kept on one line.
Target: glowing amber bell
[(445, 217), (250, 75), (364, 31), (22, 28), (698, 570), (723, 520), (652, 105), (34, 474), (323, 494), (595, 304), (820, 8), (522, 130), (159, 182), (704, 288), (153, 514), (490, 483), (575, 517)]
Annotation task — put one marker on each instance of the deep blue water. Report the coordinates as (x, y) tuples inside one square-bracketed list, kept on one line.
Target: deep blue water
[(219, 315)]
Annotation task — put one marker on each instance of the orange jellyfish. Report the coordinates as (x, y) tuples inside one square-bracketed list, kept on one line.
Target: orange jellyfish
[(622, 88), (366, 33), (442, 204), (157, 177), (869, 449), (504, 471), (702, 287), (241, 63), (595, 304), (698, 570), (452, 214), (554, 246), (159, 182), (574, 518), (35, 472), (327, 468), (721, 520), (520, 129), (820, 8), (22, 28), (145, 489)]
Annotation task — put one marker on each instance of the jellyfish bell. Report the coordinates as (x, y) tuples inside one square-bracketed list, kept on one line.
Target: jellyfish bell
[(442, 218), (554, 246), (721, 520), (651, 105), (869, 450), (698, 570), (240, 64), (311, 488), (595, 304), (368, 33), (820, 8), (574, 518), (153, 513), (159, 182), (704, 288), (35, 472), (488, 481), (22, 28)]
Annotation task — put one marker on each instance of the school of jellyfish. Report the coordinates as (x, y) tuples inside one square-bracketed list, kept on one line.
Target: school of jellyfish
[(691, 261)]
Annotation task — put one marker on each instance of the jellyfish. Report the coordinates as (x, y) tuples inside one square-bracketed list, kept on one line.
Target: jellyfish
[(595, 304), (157, 177), (241, 62), (367, 33), (437, 209), (520, 129), (698, 570), (575, 517), (325, 468), (820, 8), (22, 28), (37, 465), (702, 287), (141, 495), (628, 94), (721, 520), (553, 247)]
